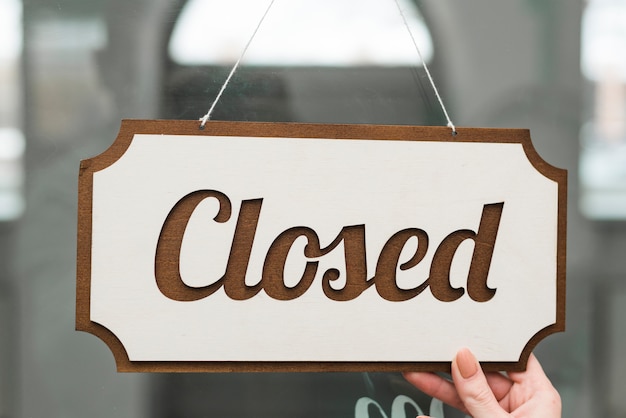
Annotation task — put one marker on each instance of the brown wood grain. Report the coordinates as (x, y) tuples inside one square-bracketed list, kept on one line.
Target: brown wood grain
[(293, 130)]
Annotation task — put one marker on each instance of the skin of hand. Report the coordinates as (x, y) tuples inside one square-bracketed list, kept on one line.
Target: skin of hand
[(493, 395)]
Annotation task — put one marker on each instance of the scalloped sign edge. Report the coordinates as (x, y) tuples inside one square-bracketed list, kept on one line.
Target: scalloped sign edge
[(90, 270)]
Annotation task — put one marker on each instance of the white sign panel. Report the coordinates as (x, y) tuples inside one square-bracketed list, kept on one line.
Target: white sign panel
[(314, 247)]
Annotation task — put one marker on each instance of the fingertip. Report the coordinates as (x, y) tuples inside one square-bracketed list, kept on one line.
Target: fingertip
[(473, 387), (466, 363), (410, 376), (407, 375)]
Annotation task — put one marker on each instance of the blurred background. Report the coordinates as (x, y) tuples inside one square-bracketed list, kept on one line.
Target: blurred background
[(70, 70)]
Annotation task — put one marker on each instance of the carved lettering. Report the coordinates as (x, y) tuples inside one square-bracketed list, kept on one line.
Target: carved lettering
[(353, 238), (274, 267), (273, 280), (386, 284), (167, 258), (484, 242)]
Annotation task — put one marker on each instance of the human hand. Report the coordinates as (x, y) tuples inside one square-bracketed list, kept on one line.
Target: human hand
[(492, 395)]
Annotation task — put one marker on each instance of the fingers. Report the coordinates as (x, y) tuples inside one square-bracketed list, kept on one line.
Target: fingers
[(538, 387), (437, 387), (473, 388), (534, 375), (444, 390), (500, 384), (481, 395)]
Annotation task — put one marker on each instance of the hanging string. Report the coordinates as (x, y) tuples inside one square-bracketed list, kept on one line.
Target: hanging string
[(205, 118), (430, 78)]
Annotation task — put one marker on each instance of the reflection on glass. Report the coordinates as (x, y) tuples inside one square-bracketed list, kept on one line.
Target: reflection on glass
[(603, 156), (12, 146), (11, 138), (301, 33)]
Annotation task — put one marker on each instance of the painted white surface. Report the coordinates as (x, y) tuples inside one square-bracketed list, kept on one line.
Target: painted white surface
[(324, 184)]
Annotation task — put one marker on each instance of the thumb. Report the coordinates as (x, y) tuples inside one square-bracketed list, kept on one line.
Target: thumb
[(472, 387)]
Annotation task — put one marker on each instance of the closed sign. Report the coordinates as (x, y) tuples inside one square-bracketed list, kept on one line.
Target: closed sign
[(251, 246)]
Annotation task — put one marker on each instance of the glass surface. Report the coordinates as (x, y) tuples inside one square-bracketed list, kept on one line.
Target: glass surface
[(12, 141), (603, 136), (300, 33), (77, 67)]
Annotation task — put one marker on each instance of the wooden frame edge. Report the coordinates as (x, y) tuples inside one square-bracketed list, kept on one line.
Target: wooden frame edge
[(129, 128)]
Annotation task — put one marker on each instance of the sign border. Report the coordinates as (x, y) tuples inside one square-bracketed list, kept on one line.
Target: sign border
[(131, 127)]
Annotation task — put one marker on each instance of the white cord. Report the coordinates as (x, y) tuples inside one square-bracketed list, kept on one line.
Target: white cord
[(205, 118), (430, 78)]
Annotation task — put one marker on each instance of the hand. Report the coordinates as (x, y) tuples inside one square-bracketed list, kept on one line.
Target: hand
[(526, 394)]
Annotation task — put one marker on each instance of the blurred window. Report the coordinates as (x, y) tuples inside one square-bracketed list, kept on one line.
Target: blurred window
[(323, 61), (12, 142), (319, 61), (299, 33), (603, 136)]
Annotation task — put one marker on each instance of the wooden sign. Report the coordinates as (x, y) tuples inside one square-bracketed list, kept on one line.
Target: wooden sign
[(279, 247)]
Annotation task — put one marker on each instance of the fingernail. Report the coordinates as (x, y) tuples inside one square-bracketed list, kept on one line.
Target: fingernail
[(467, 363)]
